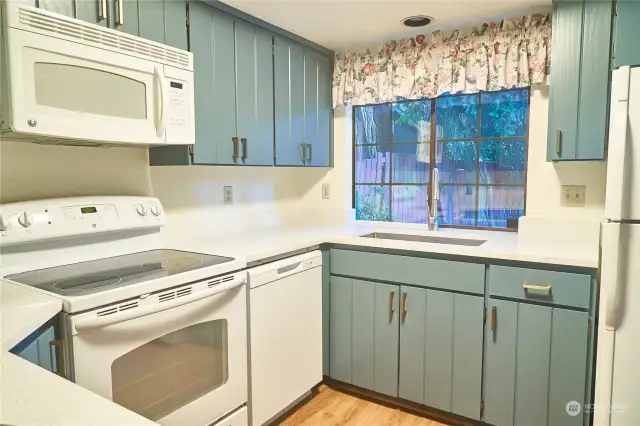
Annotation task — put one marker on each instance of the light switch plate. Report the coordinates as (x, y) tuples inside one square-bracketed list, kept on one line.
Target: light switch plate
[(573, 195), (326, 191), (227, 194)]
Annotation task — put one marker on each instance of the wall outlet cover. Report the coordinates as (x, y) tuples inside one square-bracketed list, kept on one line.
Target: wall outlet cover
[(573, 195), (227, 195), (326, 191)]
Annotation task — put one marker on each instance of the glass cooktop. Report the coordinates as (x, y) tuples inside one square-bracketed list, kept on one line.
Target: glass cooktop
[(112, 272)]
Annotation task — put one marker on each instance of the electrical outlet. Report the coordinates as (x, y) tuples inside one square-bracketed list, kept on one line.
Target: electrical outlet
[(227, 194), (573, 195), (326, 191)]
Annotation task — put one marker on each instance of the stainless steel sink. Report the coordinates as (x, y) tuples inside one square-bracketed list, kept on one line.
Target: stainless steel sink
[(425, 239)]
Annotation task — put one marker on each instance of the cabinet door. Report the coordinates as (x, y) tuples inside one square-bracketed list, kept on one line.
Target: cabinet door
[(39, 351), (93, 11), (317, 101), (254, 96), (212, 44), (386, 323), (564, 80), (441, 338), (340, 324), (175, 25), (627, 48), (289, 102), (536, 363), (123, 16), (151, 20)]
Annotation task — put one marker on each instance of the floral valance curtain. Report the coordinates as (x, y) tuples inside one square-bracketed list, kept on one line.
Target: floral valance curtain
[(491, 57)]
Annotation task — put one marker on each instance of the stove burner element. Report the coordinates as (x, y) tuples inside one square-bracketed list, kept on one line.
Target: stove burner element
[(87, 282)]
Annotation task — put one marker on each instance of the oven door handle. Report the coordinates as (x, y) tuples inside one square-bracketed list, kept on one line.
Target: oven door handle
[(91, 323)]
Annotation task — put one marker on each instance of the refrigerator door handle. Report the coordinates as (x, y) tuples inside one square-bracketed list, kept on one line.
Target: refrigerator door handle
[(617, 156), (610, 273)]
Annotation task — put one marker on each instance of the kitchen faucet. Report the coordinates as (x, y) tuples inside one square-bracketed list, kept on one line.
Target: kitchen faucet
[(432, 211)]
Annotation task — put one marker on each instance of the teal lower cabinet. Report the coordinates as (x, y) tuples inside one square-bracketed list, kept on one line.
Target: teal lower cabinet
[(364, 334), (441, 337), (536, 364), (37, 348)]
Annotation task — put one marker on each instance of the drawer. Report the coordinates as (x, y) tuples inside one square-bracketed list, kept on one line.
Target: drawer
[(558, 288), (433, 273)]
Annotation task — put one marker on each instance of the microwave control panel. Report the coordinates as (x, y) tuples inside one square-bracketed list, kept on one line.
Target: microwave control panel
[(180, 120), (178, 100)]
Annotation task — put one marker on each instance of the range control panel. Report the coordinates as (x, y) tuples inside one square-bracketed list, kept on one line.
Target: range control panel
[(40, 220)]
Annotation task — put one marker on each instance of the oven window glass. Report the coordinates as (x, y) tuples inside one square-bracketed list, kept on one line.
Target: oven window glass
[(89, 90), (169, 372)]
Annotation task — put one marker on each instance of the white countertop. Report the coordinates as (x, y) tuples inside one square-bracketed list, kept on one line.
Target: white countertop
[(33, 396), (263, 244), (22, 311)]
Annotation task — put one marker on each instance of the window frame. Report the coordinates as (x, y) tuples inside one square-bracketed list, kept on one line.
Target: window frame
[(433, 142)]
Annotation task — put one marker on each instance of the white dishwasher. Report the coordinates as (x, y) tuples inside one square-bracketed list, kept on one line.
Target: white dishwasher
[(285, 344)]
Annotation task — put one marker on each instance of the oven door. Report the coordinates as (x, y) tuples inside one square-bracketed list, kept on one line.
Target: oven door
[(182, 366), (70, 90)]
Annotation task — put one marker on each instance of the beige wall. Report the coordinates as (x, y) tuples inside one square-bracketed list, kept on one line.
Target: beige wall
[(263, 196)]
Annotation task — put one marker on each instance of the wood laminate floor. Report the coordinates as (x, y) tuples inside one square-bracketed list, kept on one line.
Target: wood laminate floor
[(330, 407)]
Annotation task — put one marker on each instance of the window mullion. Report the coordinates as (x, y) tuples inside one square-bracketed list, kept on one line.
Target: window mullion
[(477, 140)]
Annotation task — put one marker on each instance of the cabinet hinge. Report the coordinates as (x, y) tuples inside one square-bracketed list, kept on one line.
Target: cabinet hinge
[(484, 313), (614, 9), (188, 18), (613, 51), (589, 328), (191, 149), (481, 408)]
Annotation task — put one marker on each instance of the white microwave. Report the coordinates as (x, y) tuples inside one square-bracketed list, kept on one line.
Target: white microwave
[(65, 81)]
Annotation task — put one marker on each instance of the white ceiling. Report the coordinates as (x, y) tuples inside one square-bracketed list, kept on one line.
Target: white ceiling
[(339, 24)]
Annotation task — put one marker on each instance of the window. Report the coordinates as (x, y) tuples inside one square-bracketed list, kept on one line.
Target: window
[(478, 142)]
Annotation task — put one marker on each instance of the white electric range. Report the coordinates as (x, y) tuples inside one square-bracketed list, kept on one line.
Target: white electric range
[(161, 332)]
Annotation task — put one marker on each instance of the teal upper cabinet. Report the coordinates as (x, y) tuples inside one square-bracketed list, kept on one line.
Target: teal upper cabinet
[(626, 46), (535, 364), (441, 337), (578, 96), (233, 89), (302, 105), (164, 21)]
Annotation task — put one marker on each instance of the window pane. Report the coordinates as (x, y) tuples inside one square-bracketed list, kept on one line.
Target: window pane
[(373, 124), (409, 204), (412, 121), (499, 203), (372, 164), (411, 163), (167, 373), (503, 161), (457, 162), (457, 205), (505, 113), (457, 117), (372, 202)]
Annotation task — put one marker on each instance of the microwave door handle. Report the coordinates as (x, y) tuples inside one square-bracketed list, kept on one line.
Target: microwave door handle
[(161, 125), (95, 322)]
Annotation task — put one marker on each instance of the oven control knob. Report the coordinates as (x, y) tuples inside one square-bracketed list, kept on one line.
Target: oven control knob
[(25, 219), (141, 209), (155, 209), (4, 225)]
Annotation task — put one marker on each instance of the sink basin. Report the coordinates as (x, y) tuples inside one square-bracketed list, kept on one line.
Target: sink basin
[(425, 239)]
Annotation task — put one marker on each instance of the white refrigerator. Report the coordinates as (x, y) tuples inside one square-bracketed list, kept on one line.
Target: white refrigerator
[(617, 394)]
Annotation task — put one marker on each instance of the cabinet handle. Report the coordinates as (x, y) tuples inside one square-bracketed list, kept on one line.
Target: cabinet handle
[(558, 141), (119, 12), (493, 319), (391, 296), (310, 158), (536, 287), (304, 153), (102, 10), (236, 148), (61, 366), (244, 148), (403, 305)]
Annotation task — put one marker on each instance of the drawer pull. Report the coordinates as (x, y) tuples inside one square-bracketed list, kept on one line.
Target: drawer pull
[(536, 287)]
